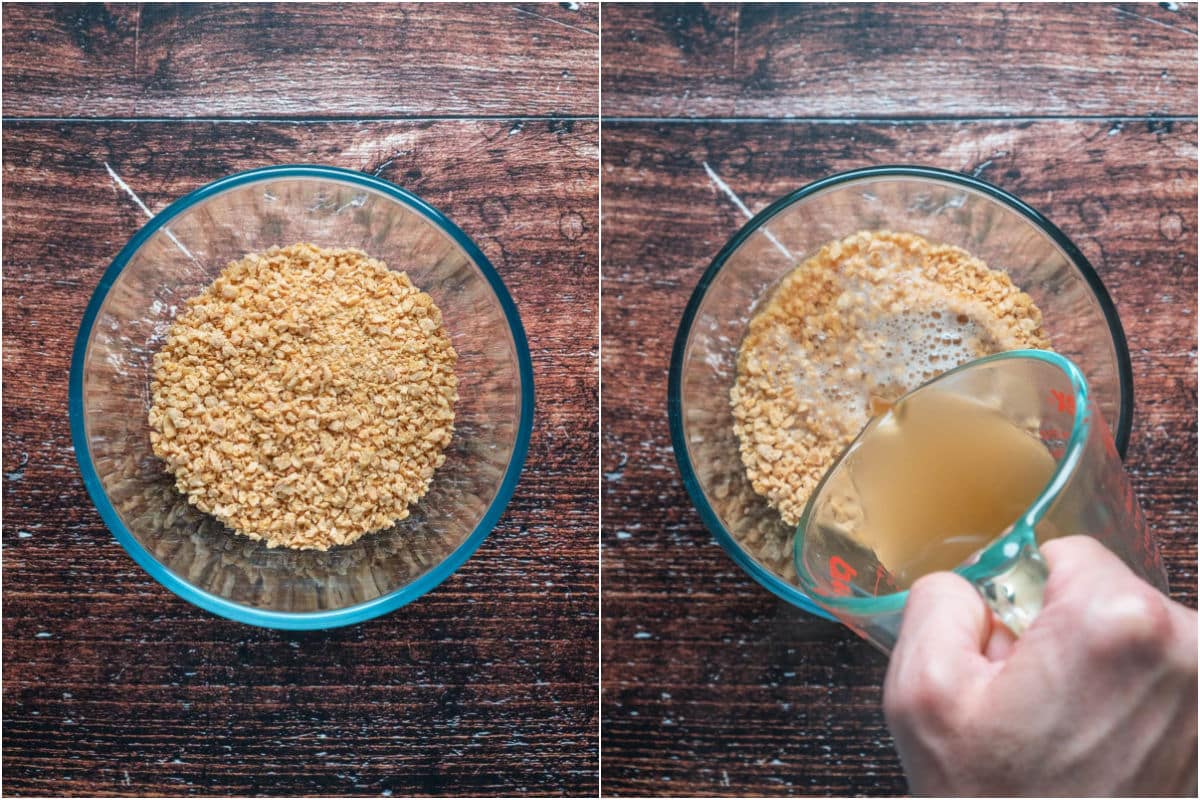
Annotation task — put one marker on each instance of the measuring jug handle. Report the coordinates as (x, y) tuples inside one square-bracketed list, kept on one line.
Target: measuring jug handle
[(1015, 593)]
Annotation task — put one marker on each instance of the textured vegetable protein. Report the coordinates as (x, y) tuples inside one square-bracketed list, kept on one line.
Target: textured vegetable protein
[(845, 334), (305, 397)]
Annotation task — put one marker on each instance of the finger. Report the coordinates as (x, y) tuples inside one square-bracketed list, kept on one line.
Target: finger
[(1000, 642), (943, 634), (1080, 561), (1093, 598), (1184, 619), (1082, 569)]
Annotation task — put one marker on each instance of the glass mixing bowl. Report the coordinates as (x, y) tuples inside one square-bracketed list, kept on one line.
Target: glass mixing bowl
[(939, 205), (173, 258)]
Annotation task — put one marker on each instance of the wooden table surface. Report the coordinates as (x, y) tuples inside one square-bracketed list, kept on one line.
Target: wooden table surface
[(710, 685), (112, 685)]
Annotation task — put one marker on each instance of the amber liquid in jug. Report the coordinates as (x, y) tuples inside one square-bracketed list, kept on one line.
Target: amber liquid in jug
[(938, 477)]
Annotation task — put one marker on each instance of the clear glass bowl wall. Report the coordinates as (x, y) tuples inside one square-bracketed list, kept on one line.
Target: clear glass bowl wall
[(194, 554), (943, 207)]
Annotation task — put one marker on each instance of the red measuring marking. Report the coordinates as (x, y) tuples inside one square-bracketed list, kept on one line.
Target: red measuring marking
[(841, 573), (879, 573), (1066, 402)]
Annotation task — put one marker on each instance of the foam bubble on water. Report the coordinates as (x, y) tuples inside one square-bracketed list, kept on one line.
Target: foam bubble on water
[(896, 351), (913, 347)]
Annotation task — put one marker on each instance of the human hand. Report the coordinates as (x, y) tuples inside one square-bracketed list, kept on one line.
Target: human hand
[(1097, 697)]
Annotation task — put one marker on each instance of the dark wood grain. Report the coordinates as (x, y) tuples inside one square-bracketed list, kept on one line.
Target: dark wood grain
[(899, 61), (710, 685), (485, 686), (300, 61)]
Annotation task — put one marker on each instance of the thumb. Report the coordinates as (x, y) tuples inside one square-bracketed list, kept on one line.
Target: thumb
[(940, 651)]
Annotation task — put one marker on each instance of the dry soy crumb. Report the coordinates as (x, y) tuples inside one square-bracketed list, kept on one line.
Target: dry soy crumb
[(305, 397), (848, 331)]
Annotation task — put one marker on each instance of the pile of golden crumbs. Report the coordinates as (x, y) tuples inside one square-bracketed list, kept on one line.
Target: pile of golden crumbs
[(848, 331), (305, 397)]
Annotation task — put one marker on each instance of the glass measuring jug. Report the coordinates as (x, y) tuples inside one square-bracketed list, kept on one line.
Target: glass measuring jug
[(1041, 393)]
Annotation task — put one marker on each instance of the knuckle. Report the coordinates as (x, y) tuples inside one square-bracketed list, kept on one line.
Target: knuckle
[(928, 588), (935, 582), (1131, 622), (923, 695), (900, 707), (1078, 547)]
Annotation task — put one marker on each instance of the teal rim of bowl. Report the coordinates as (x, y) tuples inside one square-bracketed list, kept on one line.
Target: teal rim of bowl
[(313, 620), (765, 577), (1003, 551)]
